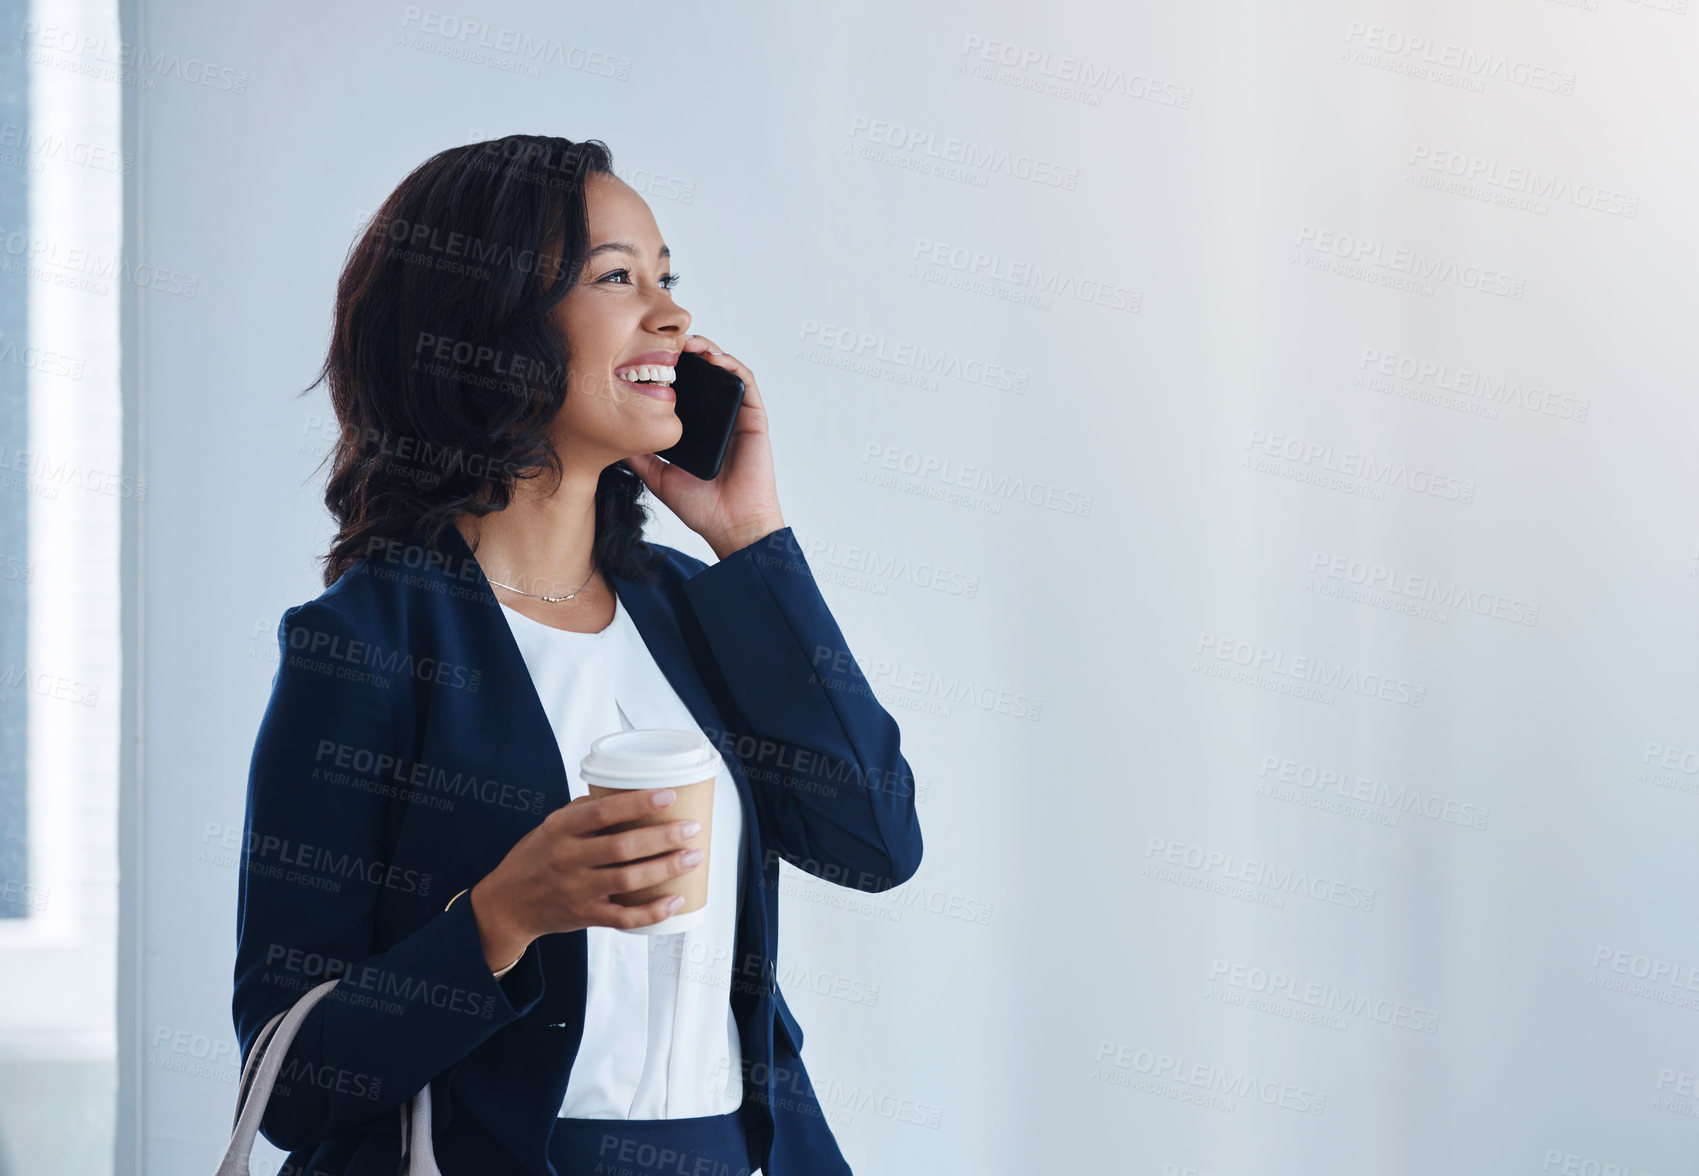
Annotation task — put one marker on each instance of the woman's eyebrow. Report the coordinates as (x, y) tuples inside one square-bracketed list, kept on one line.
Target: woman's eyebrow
[(623, 247)]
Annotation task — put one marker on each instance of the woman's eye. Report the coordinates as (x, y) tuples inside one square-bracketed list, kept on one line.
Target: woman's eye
[(667, 281)]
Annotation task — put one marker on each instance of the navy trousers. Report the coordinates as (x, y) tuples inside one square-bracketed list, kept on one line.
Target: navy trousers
[(706, 1145)]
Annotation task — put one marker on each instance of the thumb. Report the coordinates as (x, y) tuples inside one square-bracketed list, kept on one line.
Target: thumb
[(646, 466)]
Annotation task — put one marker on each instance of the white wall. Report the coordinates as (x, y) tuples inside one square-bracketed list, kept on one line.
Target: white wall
[(1057, 990)]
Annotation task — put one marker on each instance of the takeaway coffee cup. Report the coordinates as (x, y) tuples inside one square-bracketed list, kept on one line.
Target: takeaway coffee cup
[(661, 758)]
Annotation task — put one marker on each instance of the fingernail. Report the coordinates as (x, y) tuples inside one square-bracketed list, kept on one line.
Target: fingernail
[(665, 797), (691, 828), (694, 856), (677, 901)]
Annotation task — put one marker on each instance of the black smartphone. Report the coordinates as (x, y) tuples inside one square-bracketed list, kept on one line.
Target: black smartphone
[(708, 401)]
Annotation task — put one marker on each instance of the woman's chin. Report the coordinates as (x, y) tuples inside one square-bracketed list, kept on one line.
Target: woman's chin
[(657, 440)]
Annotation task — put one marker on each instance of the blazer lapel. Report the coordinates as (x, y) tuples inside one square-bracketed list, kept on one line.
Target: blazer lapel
[(511, 698), (657, 620)]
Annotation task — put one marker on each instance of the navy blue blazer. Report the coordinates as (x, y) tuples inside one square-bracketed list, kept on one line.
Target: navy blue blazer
[(404, 751)]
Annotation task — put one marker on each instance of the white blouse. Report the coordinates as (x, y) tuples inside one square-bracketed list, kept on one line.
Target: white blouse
[(660, 1041)]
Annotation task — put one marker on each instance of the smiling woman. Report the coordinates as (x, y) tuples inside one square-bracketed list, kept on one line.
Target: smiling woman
[(450, 356), (501, 366)]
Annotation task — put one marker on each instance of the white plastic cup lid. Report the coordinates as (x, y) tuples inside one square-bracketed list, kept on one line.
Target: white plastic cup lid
[(638, 758)]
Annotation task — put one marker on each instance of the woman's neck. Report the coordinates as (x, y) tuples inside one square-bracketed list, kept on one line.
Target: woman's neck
[(541, 542)]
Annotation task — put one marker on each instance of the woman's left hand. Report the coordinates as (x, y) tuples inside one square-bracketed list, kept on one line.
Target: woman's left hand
[(742, 504)]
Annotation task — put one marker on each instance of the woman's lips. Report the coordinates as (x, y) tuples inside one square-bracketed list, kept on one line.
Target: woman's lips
[(658, 391)]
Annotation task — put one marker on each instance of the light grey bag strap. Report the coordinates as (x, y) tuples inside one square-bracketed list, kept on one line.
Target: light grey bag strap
[(259, 1075)]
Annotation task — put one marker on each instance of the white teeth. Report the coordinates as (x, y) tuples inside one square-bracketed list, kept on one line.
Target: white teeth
[(656, 373)]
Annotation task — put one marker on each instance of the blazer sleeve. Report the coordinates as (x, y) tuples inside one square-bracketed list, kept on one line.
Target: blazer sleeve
[(823, 757), (313, 864)]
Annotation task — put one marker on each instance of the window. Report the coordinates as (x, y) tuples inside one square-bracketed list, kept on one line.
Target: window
[(61, 177)]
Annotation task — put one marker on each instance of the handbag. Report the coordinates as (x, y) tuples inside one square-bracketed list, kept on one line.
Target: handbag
[(259, 1075)]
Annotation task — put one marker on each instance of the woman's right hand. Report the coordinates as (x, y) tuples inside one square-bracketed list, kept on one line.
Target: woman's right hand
[(560, 875)]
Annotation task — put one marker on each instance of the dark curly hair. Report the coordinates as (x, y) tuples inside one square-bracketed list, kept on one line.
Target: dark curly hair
[(445, 364)]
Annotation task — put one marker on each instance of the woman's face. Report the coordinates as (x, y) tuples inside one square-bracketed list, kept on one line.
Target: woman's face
[(620, 313)]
